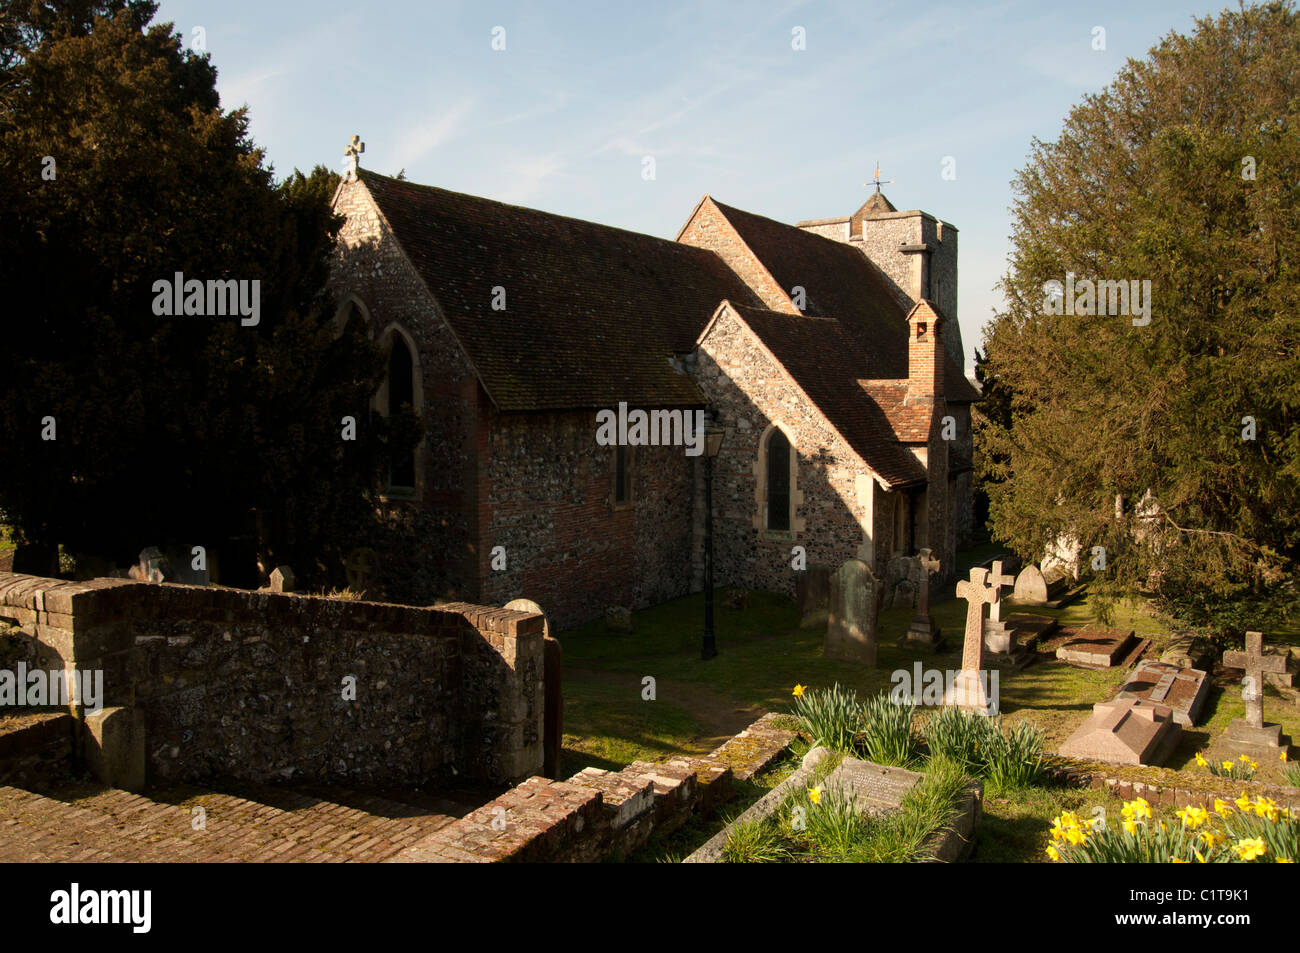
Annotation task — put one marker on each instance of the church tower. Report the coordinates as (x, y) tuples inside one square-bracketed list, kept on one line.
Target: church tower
[(916, 252)]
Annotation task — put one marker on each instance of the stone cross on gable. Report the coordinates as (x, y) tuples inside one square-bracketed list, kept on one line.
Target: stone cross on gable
[(352, 153), (997, 580), (976, 593), (1256, 663)]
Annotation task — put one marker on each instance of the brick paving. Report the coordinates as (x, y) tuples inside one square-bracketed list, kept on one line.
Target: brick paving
[(242, 823)]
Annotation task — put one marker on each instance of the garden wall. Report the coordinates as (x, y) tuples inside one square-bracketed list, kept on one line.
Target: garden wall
[(267, 686)]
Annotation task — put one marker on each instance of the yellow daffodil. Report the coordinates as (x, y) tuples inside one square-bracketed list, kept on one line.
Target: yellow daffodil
[(1075, 836), (1210, 839), (1200, 761), (1200, 858), (1053, 853), (1130, 827), (1266, 808), (1254, 766), (1243, 802), (1249, 848), (1193, 817), (1177, 860), (815, 794), (1284, 860), (1221, 808), (1244, 757), (798, 690), (1283, 754), (1227, 766)]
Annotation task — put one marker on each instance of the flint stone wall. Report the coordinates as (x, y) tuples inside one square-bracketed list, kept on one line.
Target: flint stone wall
[(250, 684)]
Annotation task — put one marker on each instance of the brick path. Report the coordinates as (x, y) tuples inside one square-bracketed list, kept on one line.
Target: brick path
[(240, 823)]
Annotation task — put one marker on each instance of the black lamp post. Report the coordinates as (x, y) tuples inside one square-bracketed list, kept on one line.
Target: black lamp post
[(712, 445)]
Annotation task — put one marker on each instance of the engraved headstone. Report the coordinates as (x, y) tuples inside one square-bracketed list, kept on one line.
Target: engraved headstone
[(853, 614), (1251, 735), (812, 590)]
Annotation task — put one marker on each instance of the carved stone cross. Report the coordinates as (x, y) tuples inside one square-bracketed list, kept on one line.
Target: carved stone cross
[(929, 566), (352, 153), (1256, 663), (976, 593), (997, 580)]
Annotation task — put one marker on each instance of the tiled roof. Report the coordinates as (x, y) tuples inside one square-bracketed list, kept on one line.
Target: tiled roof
[(593, 312), (839, 282), (821, 357)]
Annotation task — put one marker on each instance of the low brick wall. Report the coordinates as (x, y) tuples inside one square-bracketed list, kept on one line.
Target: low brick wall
[(1163, 787), (252, 684), (599, 814)]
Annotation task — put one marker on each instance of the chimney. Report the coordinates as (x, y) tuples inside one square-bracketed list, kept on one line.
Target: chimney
[(925, 354)]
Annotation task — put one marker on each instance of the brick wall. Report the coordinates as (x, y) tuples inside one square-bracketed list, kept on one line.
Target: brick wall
[(547, 497), (250, 684)]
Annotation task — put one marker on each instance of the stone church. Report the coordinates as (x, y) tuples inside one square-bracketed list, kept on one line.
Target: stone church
[(827, 351)]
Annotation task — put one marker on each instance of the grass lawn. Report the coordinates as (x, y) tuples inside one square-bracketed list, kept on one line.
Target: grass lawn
[(763, 653)]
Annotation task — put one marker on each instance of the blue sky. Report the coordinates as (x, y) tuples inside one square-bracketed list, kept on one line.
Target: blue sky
[(562, 117)]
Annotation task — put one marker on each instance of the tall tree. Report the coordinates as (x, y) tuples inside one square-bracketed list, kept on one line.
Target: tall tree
[(1185, 173), (123, 171)]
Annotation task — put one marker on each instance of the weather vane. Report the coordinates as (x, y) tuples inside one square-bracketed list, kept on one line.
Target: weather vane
[(876, 179)]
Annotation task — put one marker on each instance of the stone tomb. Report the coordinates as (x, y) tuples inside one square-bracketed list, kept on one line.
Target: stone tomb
[(1050, 589), (1092, 647), (1125, 731), (1031, 628), (854, 612), (1182, 690)]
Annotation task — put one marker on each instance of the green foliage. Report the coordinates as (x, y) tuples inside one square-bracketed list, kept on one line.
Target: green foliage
[(831, 716), (1151, 180), (1009, 759), (1013, 759), (1292, 774), (887, 731), (754, 842), (170, 430)]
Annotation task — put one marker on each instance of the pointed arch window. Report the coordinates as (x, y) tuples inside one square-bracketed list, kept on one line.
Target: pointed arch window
[(401, 393), (778, 481)]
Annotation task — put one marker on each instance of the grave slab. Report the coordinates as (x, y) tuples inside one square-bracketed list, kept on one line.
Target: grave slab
[(1183, 690), (1094, 647)]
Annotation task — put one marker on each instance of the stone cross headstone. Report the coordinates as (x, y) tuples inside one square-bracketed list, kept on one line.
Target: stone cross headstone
[(923, 631), (853, 613), (968, 690), (282, 579), (999, 636), (1256, 663), (352, 153), (150, 566), (359, 565)]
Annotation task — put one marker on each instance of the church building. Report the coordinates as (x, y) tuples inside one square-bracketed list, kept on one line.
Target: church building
[(828, 353)]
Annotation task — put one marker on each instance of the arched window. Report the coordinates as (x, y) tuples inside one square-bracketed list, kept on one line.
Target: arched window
[(401, 393), (777, 465)]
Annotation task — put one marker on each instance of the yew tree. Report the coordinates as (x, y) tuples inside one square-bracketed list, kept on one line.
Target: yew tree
[(121, 169), (1185, 172)]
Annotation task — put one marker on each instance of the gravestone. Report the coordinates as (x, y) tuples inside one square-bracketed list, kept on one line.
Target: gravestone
[(151, 565), (552, 681), (282, 579), (1182, 690), (923, 633), (1252, 735), (1037, 587), (999, 635), (968, 691), (1125, 731), (812, 591), (360, 565), (853, 614)]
